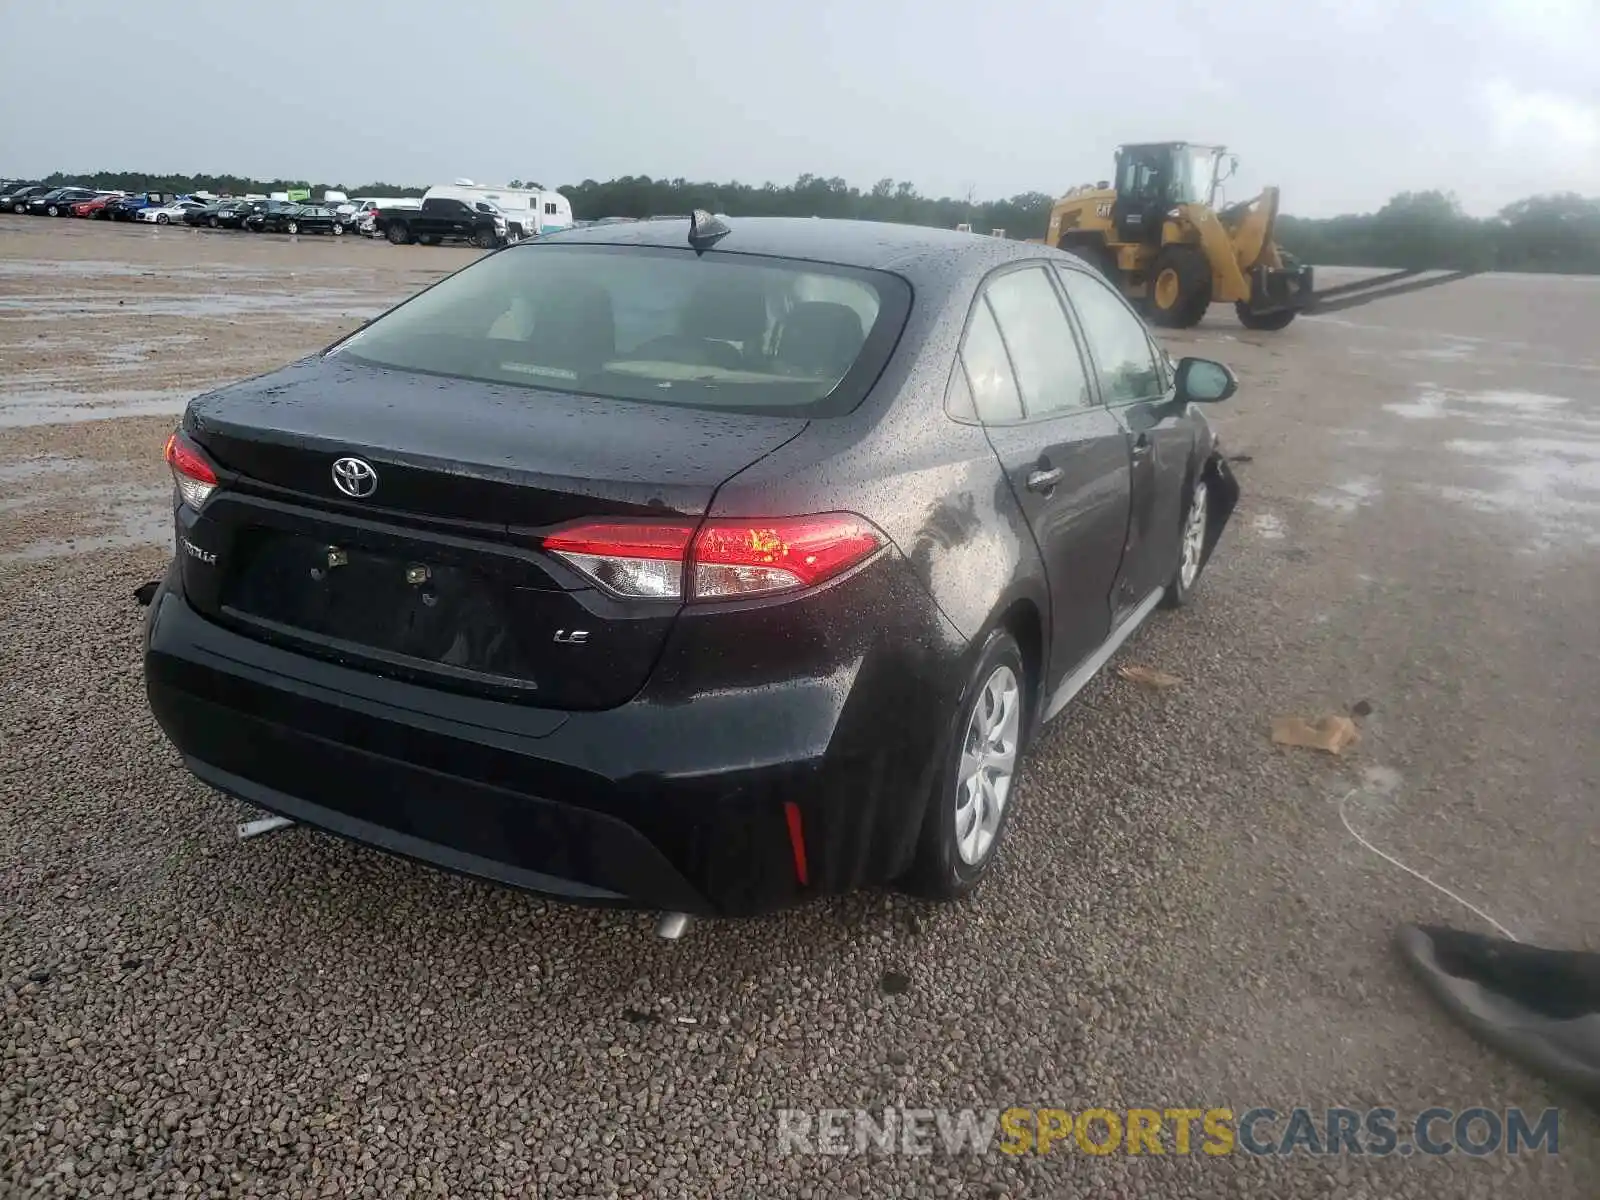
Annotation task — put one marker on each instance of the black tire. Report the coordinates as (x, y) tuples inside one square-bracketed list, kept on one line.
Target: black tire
[(292, 227), (1182, 584), (1180, 287), (162, 219), (427, 239), (1269, 322), (19, 209), (940, 872), (484, 240), (53, 211), (213, 222), (1097, 254), (338, 230), (397, 233)]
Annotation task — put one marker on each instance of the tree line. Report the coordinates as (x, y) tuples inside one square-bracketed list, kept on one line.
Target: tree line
[(1552, 233), (1556, 233)]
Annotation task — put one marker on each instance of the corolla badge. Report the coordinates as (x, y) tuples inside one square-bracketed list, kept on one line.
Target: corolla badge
[(355, 477)]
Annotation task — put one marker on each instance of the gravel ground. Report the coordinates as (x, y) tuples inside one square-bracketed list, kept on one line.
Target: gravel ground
[(1180, 919)]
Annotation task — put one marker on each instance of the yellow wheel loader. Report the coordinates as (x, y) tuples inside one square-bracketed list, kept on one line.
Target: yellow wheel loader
[(1158, 236)]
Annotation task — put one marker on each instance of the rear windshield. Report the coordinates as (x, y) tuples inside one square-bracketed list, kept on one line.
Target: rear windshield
[(660, 326)]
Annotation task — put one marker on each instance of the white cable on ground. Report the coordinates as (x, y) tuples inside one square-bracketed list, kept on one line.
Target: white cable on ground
[(1393, 861)]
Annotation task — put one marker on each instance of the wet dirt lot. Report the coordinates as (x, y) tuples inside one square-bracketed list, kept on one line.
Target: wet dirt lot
[(1182, 918)]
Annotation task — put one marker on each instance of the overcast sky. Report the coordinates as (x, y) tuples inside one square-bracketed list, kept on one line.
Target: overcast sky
[(1341, 102)]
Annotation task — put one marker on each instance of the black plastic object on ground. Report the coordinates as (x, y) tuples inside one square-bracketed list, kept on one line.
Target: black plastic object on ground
[(1541, 1007)]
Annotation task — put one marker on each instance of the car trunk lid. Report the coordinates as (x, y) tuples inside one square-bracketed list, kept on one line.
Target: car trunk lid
[(437, 572)]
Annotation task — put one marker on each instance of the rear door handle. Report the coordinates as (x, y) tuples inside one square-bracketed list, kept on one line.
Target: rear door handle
[(1043, 481)]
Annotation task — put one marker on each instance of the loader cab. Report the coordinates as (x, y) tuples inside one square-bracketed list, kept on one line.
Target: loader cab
[(1153, 178)]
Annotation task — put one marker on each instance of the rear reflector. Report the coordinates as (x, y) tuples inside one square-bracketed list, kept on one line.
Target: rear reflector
[(190, 471), (725, 560), (797, 841)]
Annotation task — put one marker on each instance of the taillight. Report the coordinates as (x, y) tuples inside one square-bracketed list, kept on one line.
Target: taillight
[(725, 560), (745, 558), (190, 471), (628, 559)]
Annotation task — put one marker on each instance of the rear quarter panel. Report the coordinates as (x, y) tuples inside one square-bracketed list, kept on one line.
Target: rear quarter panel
[(931, 483)]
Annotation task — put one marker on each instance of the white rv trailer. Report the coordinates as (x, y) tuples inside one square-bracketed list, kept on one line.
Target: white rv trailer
[(528, 211)]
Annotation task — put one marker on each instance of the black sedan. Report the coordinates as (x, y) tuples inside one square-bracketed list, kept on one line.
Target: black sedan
[(235, 213), (215, 214), (58, 202), (676, 565), (15, 197), (278, 217)]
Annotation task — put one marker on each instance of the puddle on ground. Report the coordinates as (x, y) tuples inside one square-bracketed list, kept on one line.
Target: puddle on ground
[(40, 465), (1453, 349), (1493, 405), (112, 359), (90, 268), (137, 350), (1428, 406), (1460, 348), (1267, 525), (1348, 495), (60, 408), (313, 304), (125, 515), (1555, 482), (1547, 471)]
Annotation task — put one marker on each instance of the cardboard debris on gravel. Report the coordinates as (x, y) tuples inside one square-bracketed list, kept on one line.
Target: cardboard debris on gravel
[(1149, 677), (1331, 732)]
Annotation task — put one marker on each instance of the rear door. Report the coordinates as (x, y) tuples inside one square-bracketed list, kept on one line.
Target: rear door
[(1135, 386), (1065, 456), (445, 217)]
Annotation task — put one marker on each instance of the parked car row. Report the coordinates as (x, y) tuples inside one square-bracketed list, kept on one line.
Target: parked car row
[(460, 212), (255, 214)]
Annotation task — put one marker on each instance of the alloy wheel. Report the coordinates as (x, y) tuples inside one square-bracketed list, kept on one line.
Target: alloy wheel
[(988, 762), (1194, 538)]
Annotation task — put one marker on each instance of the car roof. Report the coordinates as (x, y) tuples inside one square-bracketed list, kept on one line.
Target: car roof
[(909, 250)]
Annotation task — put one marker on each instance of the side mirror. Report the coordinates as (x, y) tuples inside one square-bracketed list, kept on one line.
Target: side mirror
[(1201, 381)]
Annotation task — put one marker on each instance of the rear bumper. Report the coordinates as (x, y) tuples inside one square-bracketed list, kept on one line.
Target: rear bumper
[(677, 800)]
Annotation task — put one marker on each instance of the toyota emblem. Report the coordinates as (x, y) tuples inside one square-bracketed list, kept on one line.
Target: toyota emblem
[(355, 477)]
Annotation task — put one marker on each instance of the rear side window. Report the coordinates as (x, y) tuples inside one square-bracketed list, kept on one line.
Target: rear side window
[(992, 387), (1050, 374), (1124, 357), (651, 324)]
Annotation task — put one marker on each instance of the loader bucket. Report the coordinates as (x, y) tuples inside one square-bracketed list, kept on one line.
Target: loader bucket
[(1273, 288), (1365, 291)]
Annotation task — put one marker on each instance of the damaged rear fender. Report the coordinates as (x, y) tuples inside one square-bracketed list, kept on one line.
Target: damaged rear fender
[(1222, 495)]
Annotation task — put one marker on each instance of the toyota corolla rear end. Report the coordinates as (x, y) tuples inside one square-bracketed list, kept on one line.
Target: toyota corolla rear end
[(461, 588)]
